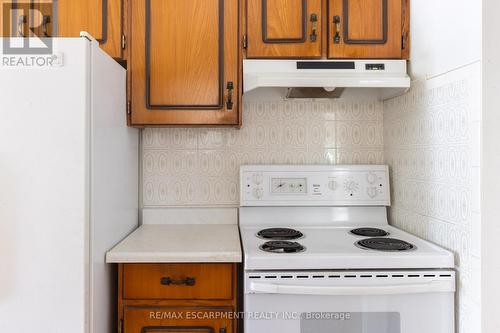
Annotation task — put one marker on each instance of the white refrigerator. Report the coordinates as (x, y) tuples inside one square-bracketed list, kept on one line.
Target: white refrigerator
[(68, 188)]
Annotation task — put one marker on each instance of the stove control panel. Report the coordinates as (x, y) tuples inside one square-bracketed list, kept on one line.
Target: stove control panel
[(349, 185)]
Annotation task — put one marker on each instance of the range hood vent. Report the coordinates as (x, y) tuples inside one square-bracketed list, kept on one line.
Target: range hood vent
[(305, 92), (326, 78)]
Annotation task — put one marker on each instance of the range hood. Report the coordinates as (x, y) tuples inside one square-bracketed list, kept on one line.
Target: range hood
[(327, 78)]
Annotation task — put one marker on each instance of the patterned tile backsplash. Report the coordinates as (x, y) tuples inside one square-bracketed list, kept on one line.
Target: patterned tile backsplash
[(431, 138), (200, 166)]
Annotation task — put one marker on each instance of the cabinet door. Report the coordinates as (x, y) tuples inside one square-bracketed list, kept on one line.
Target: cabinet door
[(365, 29), (184, 62), (101, 18), (283, 28), (42, 19), (176, 320)]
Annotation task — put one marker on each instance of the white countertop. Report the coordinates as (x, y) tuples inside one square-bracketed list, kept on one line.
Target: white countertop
[(174, 243)]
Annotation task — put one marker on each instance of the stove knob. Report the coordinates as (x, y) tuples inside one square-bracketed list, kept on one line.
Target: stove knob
[(371, 178), (351, 186), (332, 185), (258, 193), (372, 192)]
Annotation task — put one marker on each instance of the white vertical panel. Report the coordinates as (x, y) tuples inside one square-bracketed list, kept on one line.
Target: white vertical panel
[(114, 185)]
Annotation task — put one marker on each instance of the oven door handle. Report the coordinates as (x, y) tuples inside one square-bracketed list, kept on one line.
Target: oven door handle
[(434, 286)]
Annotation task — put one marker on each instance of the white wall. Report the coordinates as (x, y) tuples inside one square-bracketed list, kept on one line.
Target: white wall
[(445, 35), (432, 146), (432, 139), (491, 167)]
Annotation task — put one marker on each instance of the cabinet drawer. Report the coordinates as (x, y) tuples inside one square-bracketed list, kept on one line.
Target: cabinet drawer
[(178, 281)]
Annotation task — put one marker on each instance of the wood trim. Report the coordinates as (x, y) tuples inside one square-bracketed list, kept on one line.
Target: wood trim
[(121, 308), (218, 106), (385, 20), (242, 54), (325, 32), (268, 40)]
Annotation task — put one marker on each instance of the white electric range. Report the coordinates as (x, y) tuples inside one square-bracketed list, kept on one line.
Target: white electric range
[(320, 256)]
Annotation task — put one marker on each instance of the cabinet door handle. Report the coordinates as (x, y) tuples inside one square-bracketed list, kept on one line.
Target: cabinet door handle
[(230, 88), (20, 23), (223, 330), (314, 28), (45, 21), (336, 23), (167, 281)]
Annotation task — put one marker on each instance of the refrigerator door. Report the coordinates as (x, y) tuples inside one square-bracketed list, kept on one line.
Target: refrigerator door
[(68, 188), (114, 181), (44, 206)]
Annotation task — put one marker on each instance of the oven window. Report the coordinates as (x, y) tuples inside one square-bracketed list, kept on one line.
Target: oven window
[(350, 322)]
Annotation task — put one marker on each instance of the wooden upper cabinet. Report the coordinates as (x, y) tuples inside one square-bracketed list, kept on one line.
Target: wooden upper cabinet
[(366, 29), (284, 28), (101, 18), (15, 18), (184, 62)]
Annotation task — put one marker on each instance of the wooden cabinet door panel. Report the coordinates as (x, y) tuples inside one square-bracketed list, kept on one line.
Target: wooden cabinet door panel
[(365, 29), (101, 18), (284, 28), (184, 54), (185, 49), (176, 320)]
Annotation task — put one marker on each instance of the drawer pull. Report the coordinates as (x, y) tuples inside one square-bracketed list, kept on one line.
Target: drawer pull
[(314, 23), (21, 21), (45, 22), (223, 330), (167, 281)]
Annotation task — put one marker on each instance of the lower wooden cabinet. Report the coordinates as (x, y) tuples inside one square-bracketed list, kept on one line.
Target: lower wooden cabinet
[(177, 319), (174, 298)]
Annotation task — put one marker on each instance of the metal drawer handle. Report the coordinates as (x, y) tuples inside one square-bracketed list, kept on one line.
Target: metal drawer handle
[(20, 22), (336, 22), (45, 21), (230, 88), (167, 281), (314, 28)]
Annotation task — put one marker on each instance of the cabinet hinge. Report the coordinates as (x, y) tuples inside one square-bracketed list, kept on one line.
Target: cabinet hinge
[(244, 42), (129, 108), (124, 42), (120, 326)]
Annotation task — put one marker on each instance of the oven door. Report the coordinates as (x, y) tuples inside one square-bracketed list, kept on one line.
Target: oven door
[(350, 302)]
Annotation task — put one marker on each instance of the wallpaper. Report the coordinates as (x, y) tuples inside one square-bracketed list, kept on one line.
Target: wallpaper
[(432, 146), (200, 166)]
